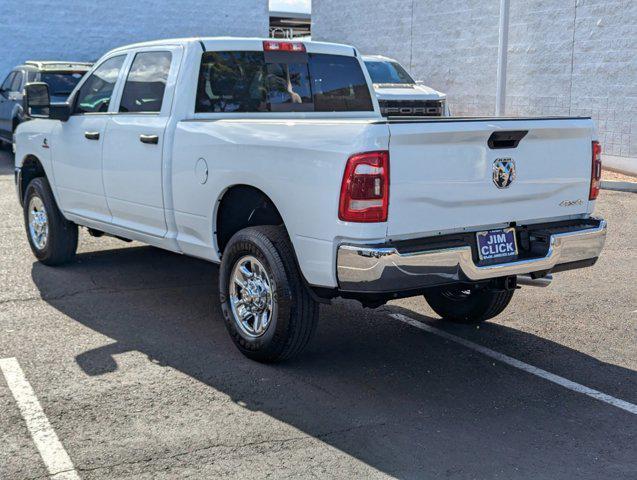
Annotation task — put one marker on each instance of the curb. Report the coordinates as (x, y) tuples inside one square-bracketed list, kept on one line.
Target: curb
[(625, 165), (619, 186)]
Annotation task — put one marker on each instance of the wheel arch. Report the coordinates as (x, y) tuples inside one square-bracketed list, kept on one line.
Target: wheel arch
[(240, 206), (31, 167)]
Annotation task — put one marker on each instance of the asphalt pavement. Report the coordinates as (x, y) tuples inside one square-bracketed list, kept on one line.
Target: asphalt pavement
[(127, 354)]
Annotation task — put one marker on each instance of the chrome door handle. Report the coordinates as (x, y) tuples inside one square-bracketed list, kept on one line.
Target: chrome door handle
[(92, 135), (152, 139)]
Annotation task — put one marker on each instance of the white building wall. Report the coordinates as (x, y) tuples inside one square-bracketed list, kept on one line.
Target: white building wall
[(86, 29), (566, 57)]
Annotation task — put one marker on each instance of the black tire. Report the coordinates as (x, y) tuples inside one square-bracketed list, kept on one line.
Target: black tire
[(468, 304), (293, 325), (61, 238)]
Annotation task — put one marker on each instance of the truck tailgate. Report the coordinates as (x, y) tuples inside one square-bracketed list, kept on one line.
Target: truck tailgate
[(442, 173)]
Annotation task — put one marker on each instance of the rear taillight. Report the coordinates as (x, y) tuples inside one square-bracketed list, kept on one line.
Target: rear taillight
[(596, 171), (273, 46), (365, 188)]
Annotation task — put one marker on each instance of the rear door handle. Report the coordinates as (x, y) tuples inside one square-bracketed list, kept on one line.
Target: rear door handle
[(153, 139), (92, 135)]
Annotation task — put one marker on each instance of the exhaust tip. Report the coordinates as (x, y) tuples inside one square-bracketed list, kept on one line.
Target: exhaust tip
[(535, 282)]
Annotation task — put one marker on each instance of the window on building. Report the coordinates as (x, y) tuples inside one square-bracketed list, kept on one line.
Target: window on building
[(245, 81), (146, 83), (95, 94)]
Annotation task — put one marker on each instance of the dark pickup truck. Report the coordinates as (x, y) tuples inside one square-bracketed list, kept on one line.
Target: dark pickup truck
[(61, 77)]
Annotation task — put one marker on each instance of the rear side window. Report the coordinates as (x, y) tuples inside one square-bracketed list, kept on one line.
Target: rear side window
[(253, 81), (146, 83), (95, 94)]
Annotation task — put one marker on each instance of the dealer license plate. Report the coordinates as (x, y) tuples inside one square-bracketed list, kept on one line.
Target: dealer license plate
[(497, 244)]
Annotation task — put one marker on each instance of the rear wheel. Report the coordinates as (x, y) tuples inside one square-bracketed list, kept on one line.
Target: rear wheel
[(468, 304), (52, 238), (268, 310)]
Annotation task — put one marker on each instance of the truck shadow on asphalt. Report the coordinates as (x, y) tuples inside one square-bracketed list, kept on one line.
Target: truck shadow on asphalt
[(6, 160), (404, 402)]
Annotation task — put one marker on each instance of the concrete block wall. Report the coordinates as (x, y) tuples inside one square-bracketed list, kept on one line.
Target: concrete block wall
[(566, 57), (86, 29), (605, 72)]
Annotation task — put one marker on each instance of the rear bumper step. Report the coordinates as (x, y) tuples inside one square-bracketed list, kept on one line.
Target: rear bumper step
[(378, 269)]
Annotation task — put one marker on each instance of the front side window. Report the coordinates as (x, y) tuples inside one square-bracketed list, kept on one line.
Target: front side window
[(17, 82), (95, 94), (146, 83), (388, 73), (251, 81)]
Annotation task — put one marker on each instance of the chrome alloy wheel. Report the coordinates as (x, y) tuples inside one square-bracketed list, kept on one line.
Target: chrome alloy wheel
[(38, 223), (251, 296)]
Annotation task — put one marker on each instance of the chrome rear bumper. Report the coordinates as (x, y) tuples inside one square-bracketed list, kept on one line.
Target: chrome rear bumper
[(385, 269)]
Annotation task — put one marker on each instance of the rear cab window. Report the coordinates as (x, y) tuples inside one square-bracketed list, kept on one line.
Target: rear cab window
[(257, 81)]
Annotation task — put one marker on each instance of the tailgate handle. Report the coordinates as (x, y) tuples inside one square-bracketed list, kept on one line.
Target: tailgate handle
[(508, 139)]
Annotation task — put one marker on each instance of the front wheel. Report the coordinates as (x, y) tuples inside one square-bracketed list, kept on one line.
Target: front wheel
[(468, 304), (52, 238), (268, 310)]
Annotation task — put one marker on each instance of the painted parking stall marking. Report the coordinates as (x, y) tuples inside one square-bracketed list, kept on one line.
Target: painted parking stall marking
[(55, 458), (538, 372)]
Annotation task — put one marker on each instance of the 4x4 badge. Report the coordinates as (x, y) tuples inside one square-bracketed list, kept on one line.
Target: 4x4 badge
[(503, 172)]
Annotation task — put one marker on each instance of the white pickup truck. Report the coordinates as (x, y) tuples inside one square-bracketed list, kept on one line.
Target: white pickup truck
[(272, 159)]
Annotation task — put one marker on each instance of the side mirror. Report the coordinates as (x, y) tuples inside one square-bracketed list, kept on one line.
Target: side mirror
[(36, 100), (37, 103), (60, 111)]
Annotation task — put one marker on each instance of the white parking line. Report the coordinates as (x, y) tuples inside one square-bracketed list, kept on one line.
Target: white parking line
[(576, 387), (57, 461)]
